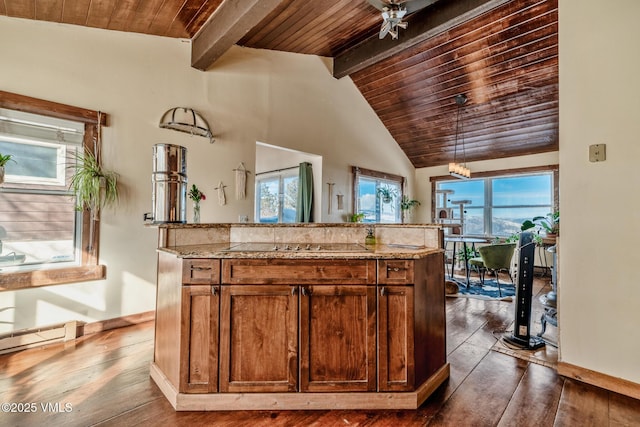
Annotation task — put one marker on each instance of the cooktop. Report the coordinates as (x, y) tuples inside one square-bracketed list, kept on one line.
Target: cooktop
[(296, 247)]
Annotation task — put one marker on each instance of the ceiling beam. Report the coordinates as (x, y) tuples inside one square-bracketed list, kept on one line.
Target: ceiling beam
[(424, 24), (228, 24)]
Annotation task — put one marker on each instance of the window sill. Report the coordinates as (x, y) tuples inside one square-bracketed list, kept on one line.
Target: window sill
[(33, 279)]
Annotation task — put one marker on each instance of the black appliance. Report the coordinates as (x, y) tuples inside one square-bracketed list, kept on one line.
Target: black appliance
[(521, 337)]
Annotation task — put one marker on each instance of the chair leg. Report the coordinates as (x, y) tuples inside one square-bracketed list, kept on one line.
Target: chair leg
[(498, 282)]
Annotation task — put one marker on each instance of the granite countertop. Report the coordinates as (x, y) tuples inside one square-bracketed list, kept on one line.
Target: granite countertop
[(379, 251)]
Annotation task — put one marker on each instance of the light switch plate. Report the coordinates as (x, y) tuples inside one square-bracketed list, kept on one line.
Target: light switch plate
[(598, 153)]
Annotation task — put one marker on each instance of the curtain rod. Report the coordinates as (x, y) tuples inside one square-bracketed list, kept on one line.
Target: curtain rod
[(278, 170)]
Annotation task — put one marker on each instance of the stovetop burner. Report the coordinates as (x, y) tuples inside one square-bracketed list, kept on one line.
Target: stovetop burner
[(297, 247)]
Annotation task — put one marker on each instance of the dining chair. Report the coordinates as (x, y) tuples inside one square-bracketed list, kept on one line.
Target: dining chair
[(494, 258)]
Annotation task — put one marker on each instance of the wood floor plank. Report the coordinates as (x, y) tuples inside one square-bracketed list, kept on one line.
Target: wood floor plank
[(623, 410), (78, 353), (582, 404), (499, 317), (526, 404), (485, 393), (49, 376), (105, 376)]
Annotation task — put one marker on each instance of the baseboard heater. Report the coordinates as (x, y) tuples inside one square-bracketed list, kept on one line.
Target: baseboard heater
[(21, 340)]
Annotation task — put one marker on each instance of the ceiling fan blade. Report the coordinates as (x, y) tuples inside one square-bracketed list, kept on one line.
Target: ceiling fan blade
[(386, 26), (416, 5), (402, 25), (378, 4)]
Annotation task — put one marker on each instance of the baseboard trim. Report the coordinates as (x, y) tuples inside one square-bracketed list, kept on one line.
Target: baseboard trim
[(607, 382), (410, 400), (118, 322)]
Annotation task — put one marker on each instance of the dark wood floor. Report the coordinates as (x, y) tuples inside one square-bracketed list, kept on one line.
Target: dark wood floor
[(103, 379)]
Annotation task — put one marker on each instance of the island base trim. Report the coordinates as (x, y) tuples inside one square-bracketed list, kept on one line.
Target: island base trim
[(296, 400)]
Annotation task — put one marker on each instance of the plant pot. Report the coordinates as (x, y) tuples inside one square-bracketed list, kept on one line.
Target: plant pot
[(1, 174), (386, 199)]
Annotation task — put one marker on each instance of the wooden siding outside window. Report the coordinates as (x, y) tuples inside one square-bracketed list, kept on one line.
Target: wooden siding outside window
[(88, 267)]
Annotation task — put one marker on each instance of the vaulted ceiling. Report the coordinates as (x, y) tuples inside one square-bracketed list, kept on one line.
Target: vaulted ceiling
[(502, 54)]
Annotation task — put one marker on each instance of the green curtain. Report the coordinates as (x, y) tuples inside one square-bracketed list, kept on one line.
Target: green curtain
[(304, 210)]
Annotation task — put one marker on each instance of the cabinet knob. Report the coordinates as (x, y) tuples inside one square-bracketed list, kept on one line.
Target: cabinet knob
[(382, 291), (213, 291), (193, 268)]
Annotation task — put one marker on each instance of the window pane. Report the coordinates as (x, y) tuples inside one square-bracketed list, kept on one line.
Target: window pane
[(390, 211), (474, 221), (463, 190), (525, 190), (290, 199), (507, 221), (268, 195), (31, 160), (38, 220), (367, 199), (36, 229)]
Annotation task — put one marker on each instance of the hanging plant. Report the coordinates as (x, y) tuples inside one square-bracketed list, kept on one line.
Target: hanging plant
[(387, 194), (93, 186), (406, 203)]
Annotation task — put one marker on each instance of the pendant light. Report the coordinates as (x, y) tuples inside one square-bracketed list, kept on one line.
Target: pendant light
[(459, 170)]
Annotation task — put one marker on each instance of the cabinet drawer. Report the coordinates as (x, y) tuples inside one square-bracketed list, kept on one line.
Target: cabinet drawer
[(200, 271), (395, 272), (298, 271)]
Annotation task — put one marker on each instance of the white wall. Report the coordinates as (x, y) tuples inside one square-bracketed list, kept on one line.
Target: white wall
[(249, 95), (599, 295)]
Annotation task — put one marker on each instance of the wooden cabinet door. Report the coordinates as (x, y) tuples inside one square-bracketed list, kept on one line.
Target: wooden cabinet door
[(259, 338), (396, 364), (199, 339), (337, 338)]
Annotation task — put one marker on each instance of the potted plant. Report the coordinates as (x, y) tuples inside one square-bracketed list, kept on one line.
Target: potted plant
[(406, 205), (4, 159), (356, 217), (93, 186), (387, 194), (550, 223), (196, 196)]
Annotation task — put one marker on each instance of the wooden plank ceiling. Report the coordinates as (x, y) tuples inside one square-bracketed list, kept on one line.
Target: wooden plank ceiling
[(170, 18), (504, 60)]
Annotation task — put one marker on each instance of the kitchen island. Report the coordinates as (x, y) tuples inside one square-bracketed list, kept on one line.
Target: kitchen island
[(246, 320)]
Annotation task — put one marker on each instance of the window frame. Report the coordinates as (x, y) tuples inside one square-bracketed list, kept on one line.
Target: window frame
[(89, 268), (280, 175), (554, 169), (376, 175)]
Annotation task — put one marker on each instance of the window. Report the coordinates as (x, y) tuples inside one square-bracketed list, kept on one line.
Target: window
[(277, 196), (39, 221), (370, 189), (45, 241), (496, 205), (36, 162)]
